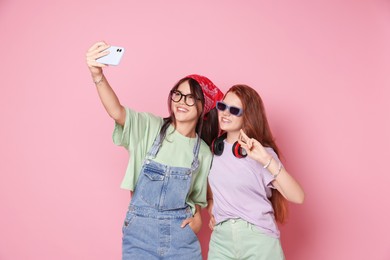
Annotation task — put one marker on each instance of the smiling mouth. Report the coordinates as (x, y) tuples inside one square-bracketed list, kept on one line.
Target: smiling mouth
[(224, 120), (181, 109)]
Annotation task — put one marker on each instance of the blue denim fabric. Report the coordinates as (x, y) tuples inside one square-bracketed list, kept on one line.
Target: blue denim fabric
[(151, 228)]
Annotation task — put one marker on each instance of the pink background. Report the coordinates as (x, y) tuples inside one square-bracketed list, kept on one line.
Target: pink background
[(322, 68)]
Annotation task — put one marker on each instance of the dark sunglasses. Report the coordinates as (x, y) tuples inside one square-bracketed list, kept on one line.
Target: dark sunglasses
[(221, 106)]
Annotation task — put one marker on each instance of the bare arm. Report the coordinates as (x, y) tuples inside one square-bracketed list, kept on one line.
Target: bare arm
[(283, 182), (210, 204), (286, 184), (107, 95)]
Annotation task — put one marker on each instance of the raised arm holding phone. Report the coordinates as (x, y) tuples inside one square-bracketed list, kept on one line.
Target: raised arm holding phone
[(168, 164)]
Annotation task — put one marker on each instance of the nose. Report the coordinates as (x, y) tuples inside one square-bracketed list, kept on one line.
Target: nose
[(182, 100), (226, 112)]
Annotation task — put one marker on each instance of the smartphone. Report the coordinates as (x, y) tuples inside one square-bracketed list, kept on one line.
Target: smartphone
[(114, 57)]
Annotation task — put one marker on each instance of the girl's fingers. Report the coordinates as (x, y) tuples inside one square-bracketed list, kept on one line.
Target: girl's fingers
[(97, 64), (243, 136), (249, 145), (185, 222), (97, 50), (102, 48), (91, 62), (211, 225), (97, 45), (243, 145), (96, 55), (92, 57)]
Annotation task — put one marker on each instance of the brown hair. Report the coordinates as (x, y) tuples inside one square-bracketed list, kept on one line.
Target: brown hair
[(207, 128), (255, 125)]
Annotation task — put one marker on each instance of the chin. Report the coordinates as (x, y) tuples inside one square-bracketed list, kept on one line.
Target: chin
[(229, 129), (225, 126), (226, 129)]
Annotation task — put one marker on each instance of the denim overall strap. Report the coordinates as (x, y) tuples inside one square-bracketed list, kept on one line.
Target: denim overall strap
[(155, 147), (158, 142), (195, 161)]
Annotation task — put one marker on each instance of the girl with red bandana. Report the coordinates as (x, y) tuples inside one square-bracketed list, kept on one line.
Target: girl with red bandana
[(168, 164)]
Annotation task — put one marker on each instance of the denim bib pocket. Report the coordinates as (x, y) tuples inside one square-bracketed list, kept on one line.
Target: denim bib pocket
[(150, 184)]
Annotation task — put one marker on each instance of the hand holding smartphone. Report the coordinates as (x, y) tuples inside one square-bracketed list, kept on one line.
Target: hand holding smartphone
[(114, 57)]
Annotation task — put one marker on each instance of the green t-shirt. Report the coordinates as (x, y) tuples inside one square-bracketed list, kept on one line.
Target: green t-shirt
[(137, 136)]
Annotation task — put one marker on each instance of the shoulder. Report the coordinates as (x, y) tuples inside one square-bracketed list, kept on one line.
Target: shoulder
[(205, 156), (204, 149)]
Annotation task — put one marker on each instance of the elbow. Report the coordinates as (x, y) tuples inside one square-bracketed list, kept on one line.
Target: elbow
[(296, 198), (299, 198), (119, 115)]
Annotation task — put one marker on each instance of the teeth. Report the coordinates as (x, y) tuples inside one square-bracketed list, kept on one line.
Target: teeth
[(182, 109)]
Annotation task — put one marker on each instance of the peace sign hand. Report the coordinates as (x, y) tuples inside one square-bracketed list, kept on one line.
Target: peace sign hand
[(254, 148)]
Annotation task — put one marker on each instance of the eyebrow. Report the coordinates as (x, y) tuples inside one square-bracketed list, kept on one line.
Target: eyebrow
[(184, 93), (231, 105)]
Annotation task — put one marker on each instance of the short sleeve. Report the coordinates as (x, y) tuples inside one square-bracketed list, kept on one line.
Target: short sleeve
[(137, 126), (199, 188), (120, 135), (137, 136)]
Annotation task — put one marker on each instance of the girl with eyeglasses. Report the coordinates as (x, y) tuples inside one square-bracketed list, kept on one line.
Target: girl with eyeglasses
[(168, 164), (248, 185)]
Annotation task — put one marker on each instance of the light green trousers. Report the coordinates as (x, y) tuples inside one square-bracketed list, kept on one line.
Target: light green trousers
[(238, 239)]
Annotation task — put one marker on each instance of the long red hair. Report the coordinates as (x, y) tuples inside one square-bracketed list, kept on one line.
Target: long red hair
[(255, 125)]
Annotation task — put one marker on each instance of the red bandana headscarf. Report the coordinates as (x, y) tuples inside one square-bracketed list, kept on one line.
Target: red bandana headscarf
[(211, 93)]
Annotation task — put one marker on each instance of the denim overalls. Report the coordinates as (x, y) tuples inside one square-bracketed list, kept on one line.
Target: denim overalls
[(152, 229)]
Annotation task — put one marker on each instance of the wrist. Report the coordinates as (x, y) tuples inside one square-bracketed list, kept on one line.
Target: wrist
[(266, 163), (97, 79), (280, 167)]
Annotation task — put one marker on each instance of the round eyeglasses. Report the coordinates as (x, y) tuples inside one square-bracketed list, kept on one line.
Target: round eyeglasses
[(236, 111), (189, 99)]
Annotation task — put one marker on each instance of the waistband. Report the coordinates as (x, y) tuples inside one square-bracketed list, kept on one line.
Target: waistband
[(234, 221), (155, 213), (241, 223)]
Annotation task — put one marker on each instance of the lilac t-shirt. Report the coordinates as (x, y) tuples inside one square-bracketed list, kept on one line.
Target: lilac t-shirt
[(241, 189)]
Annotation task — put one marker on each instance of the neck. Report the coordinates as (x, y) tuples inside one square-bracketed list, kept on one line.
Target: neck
[(232, 137), (186, 129)]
